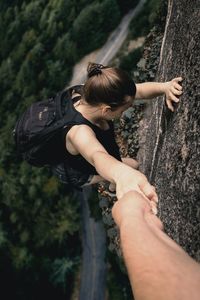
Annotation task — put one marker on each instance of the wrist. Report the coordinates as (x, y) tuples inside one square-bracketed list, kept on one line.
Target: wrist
[(121, 173), (163, 87), (130, 226), (140, 220), (131, 219)]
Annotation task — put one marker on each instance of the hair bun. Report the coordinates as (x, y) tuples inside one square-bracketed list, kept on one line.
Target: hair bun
[(94, 69)]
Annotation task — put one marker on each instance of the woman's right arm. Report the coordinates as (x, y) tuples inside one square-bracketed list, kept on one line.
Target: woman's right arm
[(85, 142)]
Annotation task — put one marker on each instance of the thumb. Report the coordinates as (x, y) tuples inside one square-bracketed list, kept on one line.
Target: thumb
[(150, 192)]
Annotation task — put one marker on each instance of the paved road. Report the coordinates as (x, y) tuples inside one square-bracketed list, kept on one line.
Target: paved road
[(110, 48)]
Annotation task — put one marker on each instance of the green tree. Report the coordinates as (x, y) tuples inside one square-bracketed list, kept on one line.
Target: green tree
[(39, 219), (91, 27), (125, 5)]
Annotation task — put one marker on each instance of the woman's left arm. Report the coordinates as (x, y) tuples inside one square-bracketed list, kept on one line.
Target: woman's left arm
[(172, 90)]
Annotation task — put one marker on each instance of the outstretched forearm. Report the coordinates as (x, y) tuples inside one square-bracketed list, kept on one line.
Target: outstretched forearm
[(108, 167), (158, 268), (125, 177)]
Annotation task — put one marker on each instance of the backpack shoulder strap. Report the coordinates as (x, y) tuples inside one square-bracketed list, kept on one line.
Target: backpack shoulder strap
[(71, 115)]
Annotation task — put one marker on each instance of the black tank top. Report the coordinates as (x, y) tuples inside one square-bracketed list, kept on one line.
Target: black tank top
[(105, 137)]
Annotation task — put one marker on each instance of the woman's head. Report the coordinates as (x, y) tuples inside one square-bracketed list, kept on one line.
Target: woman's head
[(108, 85)]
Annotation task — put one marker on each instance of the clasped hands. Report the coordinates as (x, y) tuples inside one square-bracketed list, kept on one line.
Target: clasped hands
[(134, 180)]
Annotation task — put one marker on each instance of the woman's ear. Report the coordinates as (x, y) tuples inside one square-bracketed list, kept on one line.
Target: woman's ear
[(105, 110)]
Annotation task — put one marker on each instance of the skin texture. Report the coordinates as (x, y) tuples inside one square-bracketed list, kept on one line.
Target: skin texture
[(80, 136), (172, 90), (159, 269)]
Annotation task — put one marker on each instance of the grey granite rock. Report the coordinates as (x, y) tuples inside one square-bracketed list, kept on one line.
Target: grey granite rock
[(170, 142)]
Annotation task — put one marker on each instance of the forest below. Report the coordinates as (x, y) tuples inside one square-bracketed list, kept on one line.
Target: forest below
[(41, 41)]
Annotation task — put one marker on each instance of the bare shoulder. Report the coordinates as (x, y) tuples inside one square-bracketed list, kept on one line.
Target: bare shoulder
[(78, 135), (81, 139), (78, 131)]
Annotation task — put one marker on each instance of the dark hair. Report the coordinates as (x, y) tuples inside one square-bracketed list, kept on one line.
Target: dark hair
[(107, 85)]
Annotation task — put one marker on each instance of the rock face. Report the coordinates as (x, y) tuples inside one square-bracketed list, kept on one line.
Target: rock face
[(170, 142)]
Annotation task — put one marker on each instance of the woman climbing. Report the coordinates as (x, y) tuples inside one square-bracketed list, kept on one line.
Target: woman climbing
[(92, 154)]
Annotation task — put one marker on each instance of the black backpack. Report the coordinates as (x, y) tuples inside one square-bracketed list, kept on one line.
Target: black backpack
[(38, 132)]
